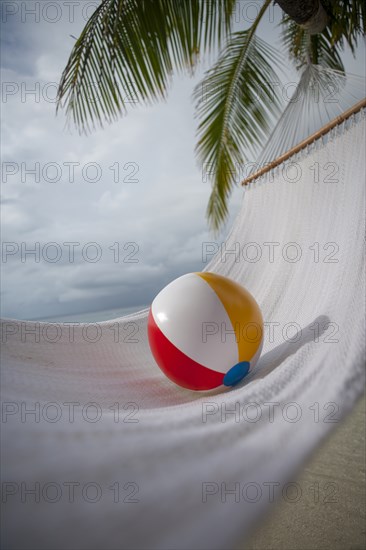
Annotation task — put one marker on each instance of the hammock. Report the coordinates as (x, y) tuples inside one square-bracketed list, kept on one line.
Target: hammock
[(139, 463)]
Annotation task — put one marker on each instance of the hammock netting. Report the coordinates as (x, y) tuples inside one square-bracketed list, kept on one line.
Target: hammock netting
[(167, 468)]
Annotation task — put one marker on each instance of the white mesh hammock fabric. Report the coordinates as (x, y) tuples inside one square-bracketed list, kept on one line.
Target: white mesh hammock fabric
[(174, 469)]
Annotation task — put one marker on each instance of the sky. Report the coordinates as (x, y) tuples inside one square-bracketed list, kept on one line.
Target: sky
[(102, 221)]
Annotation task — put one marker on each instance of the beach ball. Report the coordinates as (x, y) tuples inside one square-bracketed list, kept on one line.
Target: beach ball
[(205, 331)]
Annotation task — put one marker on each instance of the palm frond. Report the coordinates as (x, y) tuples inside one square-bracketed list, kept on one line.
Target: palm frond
[(235, 103), (324, 54), (128, 50), (347, 21), (303, 48)]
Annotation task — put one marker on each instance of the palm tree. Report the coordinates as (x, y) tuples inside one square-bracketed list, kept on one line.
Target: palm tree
[(130, 49)]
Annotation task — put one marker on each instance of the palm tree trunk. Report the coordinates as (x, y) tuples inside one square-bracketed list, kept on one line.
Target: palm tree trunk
[(310, 14)]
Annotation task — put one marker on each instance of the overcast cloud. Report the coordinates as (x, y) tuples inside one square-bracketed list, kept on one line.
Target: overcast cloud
[(145, 211)]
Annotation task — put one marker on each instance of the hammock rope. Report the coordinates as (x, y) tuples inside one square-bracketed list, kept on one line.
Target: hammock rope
[(308, 141), (320, 96)]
